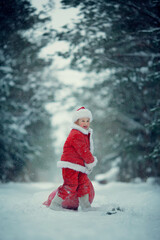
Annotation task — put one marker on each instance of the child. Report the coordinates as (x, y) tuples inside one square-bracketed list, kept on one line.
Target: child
[(76, 162)]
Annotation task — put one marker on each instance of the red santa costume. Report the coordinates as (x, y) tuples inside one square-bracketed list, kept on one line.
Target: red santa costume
[(76, 162)]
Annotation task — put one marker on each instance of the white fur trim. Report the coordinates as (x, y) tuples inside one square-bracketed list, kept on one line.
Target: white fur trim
[(91, 165), (82, 113), (91, 141), (82, 130), (76, 167)]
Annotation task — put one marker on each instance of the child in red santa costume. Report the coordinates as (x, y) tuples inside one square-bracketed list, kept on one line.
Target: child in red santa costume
[(77, 161)]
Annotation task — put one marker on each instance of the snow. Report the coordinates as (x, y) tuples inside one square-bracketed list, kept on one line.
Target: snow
[(109, 176), (24, 217)]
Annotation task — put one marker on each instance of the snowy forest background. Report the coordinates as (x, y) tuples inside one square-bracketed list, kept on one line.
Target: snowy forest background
[(116, 44)]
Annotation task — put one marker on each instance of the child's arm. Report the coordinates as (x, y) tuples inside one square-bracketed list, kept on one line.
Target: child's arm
[(84, 152)]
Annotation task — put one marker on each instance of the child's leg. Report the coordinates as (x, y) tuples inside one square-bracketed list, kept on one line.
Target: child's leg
[(70, 184), (67, 195), (84, 191), (83, 184), (56, 203)]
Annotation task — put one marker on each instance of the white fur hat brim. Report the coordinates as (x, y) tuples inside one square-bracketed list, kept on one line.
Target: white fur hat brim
[(82, 113)]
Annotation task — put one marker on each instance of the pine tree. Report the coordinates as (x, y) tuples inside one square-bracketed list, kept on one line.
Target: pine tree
[(122, 37), (23, 90)]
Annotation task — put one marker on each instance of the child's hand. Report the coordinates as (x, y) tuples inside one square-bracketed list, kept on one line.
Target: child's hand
[(88, 171), (90, 166)]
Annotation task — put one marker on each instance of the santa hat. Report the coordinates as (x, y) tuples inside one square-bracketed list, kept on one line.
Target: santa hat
[(82, 113)]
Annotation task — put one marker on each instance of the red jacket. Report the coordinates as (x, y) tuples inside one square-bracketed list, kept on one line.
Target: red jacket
[(78, 150)]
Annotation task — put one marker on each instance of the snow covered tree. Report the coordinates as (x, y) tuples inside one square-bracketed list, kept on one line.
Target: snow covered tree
[(122, 37), (23, 89)]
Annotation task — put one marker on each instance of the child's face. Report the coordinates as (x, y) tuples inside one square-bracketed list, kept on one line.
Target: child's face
[(84, 123)]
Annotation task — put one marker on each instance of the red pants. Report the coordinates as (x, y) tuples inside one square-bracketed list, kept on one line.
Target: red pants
[(74, 183)]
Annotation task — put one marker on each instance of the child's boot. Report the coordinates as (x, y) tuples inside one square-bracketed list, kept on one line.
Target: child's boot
[(84, 202), (56, 203)]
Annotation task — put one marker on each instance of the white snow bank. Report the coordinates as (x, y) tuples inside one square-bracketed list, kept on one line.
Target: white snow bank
[(24, 217), (112, 174), (109, 176)]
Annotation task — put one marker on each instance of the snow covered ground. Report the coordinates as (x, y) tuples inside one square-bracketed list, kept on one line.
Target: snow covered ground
[(23, 217)]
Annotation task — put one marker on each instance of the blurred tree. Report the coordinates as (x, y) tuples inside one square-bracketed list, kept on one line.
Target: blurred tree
[(24, 92), (124, 38)]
